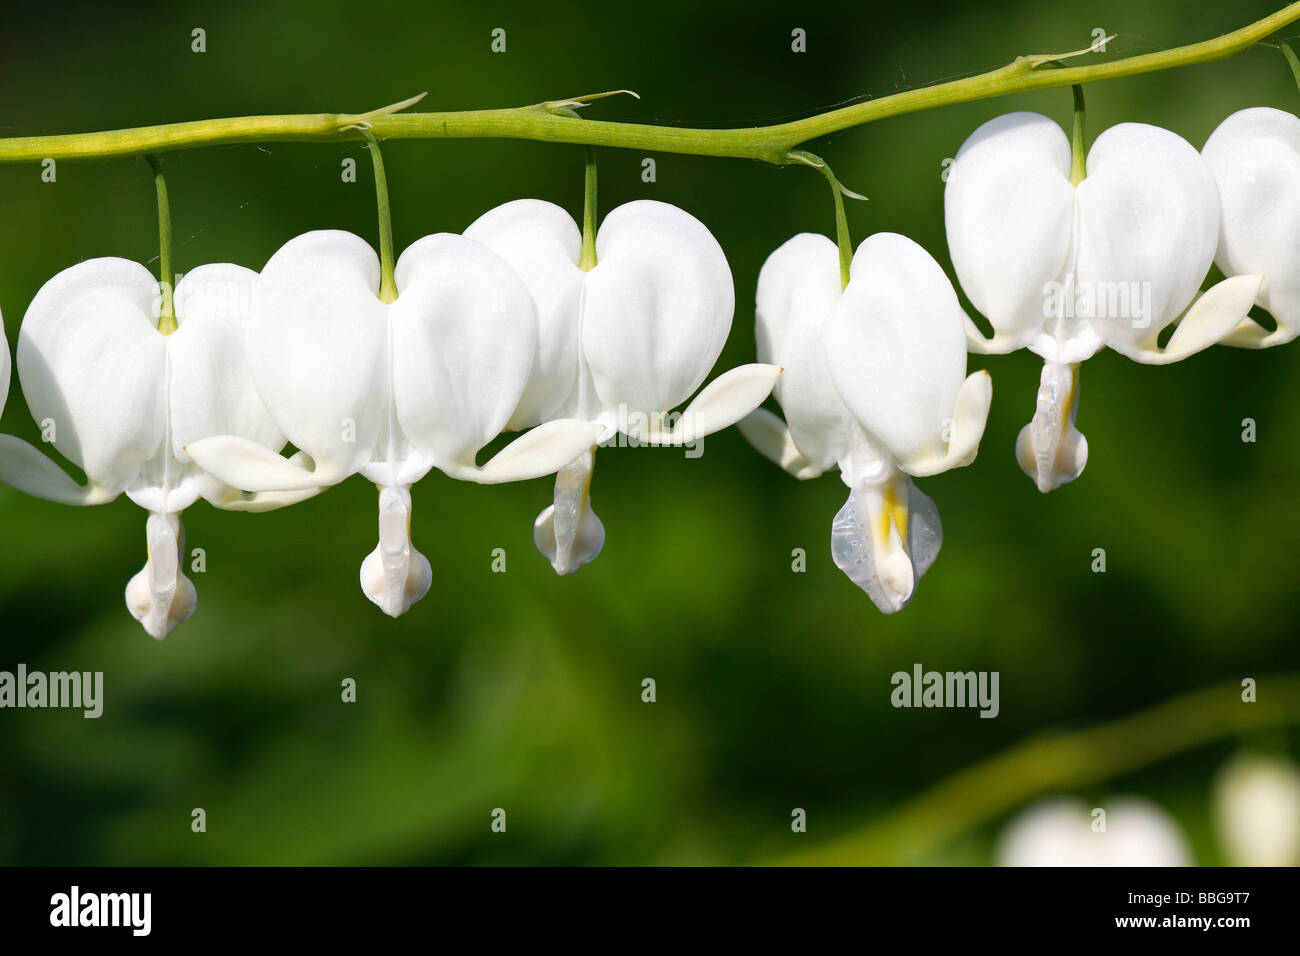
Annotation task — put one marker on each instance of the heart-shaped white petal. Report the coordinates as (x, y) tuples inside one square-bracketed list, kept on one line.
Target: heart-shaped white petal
[(542, 244), (210, 388), (318, 349), (1254, 157), (658, 307), (92, 364), (464, 333), (192, 382), (798, 288), (896, 348), (1008, 210), (1148, 224)]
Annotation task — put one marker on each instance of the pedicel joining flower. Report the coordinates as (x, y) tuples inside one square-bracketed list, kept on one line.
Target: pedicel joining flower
[(1065, 259), (875, 384)]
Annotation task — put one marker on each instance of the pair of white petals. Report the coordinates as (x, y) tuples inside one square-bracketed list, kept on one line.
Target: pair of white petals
[(623, 343), (1066, 270), (874, 383), (121, 400), (391, 390)]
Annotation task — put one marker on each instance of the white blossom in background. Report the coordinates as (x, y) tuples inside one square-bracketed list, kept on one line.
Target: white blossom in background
[(1065, 270), (391, 390), (875, 384), (4, 365), (1059, 831), (1257, 811), (121, 399), (1255, 158), (622, 343)]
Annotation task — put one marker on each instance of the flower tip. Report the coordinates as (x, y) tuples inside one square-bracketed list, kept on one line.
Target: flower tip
[(394, 575), (568, 533), (391, 589), (160, 611)]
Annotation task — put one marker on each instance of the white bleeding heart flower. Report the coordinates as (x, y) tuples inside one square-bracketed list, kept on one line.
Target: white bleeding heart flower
[(1065, 270), (1062, 831), (875, 383), (391, 389), (622, 343), (1254, 156), (121, 399), (1257, 811)]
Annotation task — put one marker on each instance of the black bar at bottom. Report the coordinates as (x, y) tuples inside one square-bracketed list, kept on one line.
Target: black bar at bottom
[(231, 905)]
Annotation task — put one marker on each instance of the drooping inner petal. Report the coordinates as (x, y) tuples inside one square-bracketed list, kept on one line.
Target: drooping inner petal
[(885, 538), (568, 532), (887, 534), (1050, 449), (394, 576), (160, 596)]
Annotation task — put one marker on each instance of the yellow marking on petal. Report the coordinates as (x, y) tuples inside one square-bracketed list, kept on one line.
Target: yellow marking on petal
[(895, 512)]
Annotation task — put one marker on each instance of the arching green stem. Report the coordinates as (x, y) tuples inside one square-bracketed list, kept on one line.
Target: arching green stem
[(166, 275), (1078, 154), (549, 121), (838, 191), (588, 260), (387, 284)]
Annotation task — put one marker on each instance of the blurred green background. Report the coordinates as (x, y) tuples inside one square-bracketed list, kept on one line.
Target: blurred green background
[(523, 690)]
